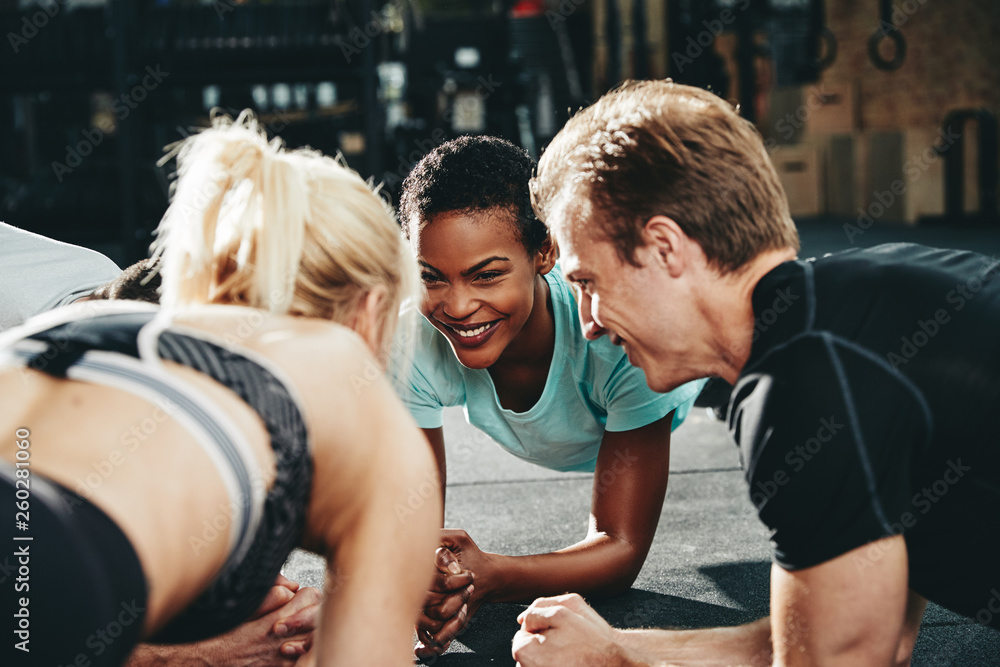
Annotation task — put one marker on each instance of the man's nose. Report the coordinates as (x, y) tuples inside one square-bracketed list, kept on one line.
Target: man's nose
[(589, 318)]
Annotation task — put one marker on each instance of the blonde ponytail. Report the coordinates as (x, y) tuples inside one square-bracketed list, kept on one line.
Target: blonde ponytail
[(284, 231)]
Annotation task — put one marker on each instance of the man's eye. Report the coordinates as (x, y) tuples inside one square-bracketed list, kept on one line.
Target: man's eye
[(586, 287), (429, 278)]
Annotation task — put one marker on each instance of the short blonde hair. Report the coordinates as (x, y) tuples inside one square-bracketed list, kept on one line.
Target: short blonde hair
[(287, 231), (659, 148)]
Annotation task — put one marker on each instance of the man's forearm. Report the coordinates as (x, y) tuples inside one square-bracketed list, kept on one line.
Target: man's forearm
[(741, 645)]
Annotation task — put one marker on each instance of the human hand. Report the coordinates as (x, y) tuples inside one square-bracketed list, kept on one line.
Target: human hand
[(280, 632), (564, 630), (445, 608), (277, 596), (453, 599), (466, 552), (297, 622)]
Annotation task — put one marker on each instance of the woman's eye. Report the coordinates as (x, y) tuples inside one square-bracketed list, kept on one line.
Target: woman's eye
[(428, 277), (488, 276)]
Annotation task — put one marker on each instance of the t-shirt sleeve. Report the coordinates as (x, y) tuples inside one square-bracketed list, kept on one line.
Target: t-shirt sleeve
[(430, 380), (826, 436), (631, 404), (419, 396)]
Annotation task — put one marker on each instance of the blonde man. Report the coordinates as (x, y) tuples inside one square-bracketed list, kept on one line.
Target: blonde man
[(862, 384)]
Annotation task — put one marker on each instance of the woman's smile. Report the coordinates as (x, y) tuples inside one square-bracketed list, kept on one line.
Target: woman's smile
[(469, 335)]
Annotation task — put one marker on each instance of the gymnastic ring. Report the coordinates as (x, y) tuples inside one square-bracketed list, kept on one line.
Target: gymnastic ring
[(830, 40), (898, 57)]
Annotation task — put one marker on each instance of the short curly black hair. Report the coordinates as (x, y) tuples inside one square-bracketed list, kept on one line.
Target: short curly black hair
[(473, 173)]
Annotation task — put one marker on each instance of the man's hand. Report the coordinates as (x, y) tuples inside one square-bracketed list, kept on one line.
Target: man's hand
[(278, 634), (446, 608), (564, 630)]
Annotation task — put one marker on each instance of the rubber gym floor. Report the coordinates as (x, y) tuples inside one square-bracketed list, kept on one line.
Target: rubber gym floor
[(709, 564)]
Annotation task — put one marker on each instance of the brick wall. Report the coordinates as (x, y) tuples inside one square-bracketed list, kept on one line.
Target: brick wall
[(863, 130), (952, 60)]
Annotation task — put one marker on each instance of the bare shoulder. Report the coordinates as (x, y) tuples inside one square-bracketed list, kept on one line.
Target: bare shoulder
[(350, 407), (316, 355)]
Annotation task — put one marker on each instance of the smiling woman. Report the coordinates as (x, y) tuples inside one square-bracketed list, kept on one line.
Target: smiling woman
[(482, 292), (501, 336)]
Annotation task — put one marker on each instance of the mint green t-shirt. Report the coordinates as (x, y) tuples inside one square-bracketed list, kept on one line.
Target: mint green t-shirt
[(591, 388)]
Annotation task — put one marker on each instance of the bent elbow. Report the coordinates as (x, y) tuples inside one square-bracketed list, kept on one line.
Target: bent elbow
[(624, 571)]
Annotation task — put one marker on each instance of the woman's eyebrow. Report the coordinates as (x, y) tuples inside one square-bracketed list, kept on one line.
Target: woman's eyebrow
[(479, 265), (468, 271)]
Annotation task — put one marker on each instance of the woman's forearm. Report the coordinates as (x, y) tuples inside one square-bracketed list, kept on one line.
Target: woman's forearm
[(599, 566)]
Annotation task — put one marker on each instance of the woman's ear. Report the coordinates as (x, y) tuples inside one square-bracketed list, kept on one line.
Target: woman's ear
[(547, 255), (368, 317)]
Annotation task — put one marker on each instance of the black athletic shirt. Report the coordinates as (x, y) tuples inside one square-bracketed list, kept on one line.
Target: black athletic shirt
[(866, 409)]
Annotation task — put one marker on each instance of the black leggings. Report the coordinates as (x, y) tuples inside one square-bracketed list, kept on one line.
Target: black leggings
[(74, 594)]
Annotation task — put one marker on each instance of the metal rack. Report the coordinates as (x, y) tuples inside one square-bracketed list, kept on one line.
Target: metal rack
[(92, 94)]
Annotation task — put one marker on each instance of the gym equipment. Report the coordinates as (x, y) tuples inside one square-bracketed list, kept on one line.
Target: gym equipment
[(887, 29)]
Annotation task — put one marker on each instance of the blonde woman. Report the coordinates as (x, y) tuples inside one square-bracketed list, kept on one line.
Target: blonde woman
[(222, 436)]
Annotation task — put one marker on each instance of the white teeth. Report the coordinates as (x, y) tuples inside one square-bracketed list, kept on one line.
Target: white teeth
[(474, 332)]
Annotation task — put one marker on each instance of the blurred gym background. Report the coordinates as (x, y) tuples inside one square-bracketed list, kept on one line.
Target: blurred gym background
[(876, 112)]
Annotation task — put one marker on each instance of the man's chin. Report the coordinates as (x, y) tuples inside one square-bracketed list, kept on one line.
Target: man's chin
[(661, 383)]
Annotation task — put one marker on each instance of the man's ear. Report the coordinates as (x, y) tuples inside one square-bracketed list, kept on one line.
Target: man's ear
[(366, 319), (668, 243), (547, 256)]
